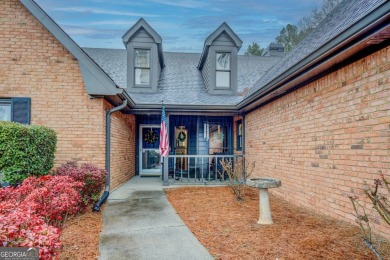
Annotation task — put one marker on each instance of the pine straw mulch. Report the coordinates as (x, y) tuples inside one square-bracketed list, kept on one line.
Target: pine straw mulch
[(80, 236), (229, 229)]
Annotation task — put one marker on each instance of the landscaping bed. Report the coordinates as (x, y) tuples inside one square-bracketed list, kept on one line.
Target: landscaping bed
[(80, 237), (35, 213), (229, 230), (37, 201)]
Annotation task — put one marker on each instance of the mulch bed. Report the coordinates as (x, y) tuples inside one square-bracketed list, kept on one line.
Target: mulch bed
[(80, 236), (229, 229)]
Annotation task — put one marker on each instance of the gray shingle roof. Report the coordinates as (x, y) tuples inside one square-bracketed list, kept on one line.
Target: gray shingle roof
[(180, 81), (347, 13)]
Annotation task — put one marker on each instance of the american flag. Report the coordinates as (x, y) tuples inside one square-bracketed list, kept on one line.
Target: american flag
[(164, 144)]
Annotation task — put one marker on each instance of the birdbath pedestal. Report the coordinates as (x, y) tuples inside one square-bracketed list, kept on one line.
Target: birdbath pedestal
[(263, 184)]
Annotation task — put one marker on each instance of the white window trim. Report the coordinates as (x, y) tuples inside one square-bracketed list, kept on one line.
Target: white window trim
[(8, 102), (222, 70), (135, 67), (212, 86)]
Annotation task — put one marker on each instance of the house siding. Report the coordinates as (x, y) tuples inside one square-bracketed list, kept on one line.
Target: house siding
[(123, 139), (223, 40), (142, 39), (142, 36), (34, 64), (203, 143), (206, 73), (326, 138)]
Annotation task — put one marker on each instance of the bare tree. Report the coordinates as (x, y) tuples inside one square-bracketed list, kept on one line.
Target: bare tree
[(291, 35), (237, 174), (378, 195), (308, 23)]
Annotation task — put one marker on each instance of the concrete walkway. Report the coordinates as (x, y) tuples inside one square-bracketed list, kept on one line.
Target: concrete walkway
[(140, 223)]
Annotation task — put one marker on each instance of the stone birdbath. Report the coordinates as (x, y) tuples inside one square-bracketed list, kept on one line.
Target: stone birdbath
[(263, 184)]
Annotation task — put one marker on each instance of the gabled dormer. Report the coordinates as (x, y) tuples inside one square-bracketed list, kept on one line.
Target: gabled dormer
[(218, 62), (144, 57)]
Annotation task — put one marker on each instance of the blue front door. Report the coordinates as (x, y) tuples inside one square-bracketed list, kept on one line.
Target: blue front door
[(150, 160)]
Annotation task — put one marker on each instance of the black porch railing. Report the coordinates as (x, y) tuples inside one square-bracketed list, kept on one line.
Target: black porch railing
[(200, 169)]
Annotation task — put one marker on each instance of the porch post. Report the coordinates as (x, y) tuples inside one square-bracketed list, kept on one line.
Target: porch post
[(243, 135), (243, 145), (165, 159)]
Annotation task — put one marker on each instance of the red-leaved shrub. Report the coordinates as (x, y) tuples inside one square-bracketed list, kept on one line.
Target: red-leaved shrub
[(23, 228), (53, 197), (30, 212), (92, 177), (7, 194), (17, 195)]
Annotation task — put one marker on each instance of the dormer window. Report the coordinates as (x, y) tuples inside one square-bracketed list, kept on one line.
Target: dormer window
[(141, 67), (145, 58), (218, 63), (222, 66)]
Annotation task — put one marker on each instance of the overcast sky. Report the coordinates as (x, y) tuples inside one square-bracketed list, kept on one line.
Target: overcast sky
[(182, 24)]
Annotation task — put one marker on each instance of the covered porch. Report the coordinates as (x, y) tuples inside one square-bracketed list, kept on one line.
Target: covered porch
[(198, 144)]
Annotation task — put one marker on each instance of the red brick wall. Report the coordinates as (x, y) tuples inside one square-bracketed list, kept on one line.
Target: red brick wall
[(123, 135), (34, 64), (326, 138)]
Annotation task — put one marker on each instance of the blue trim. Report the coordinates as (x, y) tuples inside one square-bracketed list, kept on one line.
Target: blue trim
[(24, 115)]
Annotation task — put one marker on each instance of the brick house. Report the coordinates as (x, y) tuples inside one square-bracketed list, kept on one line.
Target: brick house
[(318, 117)]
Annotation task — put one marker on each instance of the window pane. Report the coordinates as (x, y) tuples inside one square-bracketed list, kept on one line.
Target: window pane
[(151, 160), (240, 129), (223, 61), (218, 139), (223, 79), (142, 76), (142, 58), (5, 112)]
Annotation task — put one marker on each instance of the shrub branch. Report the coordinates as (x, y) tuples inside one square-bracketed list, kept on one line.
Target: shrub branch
[(237, 174)]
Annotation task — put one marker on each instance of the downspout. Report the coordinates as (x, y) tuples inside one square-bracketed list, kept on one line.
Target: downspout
[(243, 144), (108, 155), (243, 135)]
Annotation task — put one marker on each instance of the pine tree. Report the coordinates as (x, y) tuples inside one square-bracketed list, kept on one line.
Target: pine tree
[(254, 50)]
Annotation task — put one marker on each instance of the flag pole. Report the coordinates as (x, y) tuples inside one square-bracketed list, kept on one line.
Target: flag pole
[(162, 157), (164, 144)]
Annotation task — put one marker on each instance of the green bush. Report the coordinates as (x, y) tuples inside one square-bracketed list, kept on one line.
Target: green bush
[(25, 150)]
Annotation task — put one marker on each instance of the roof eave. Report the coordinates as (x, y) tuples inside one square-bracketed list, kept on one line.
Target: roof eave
[(130, 101), (156, 37), (209, 40), (96, 80), (180, 108), (224, 27), (141, 23), (316, 59)]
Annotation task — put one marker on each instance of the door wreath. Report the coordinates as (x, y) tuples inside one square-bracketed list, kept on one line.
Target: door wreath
[(150, 137), (181, 137)]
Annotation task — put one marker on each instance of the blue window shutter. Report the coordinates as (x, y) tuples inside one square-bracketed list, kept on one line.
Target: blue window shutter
[(21, 110)]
